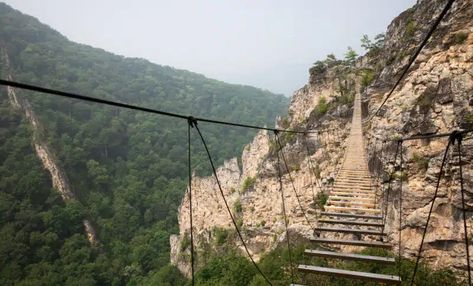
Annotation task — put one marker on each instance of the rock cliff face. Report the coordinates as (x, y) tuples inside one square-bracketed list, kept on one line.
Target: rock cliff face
[(58, 177), (435, 97)]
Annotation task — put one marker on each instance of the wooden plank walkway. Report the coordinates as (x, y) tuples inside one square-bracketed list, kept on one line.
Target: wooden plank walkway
[(350, 256), (381, 278), (351, 210)]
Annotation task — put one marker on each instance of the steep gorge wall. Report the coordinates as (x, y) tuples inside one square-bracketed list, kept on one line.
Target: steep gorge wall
[(436, 96), (252, 190)]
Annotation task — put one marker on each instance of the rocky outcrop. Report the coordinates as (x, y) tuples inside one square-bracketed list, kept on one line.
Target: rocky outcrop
[(253, 192), (435, 97)]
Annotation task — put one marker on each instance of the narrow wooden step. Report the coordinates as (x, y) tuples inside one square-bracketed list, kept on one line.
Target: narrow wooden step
[(350, 256), (353, 242), (352, 187), (351, 203), (358, 182), (347, 230), (354, 176), (381, 278), (337, 198), (352, 215), (353, 171), (354, 181), (351, 194), (351, 209), (351, 222)]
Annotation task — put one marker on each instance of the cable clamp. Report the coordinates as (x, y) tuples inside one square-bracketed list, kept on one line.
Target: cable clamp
[(456, 136), (192, 121)]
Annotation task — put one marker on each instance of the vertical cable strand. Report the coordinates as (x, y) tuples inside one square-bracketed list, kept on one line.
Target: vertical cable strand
[(281, 190), (189, 164), (226, 205), (430, 211), (459, 146), (400, 210)]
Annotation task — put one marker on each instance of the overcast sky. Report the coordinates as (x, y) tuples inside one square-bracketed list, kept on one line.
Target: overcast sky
[(264, 43)]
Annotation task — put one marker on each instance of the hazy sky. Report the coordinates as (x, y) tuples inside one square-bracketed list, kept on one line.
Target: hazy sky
[(264, 43)]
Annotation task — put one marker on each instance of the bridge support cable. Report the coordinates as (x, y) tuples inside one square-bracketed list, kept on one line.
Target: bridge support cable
[(135, 107), (226, 204), (281, 190), (459, 138), (401, 177), (379, 168), (311, 163), (431, 208), (189, 164), (372, 166), (311, 170), (292, 181), (386, 202)]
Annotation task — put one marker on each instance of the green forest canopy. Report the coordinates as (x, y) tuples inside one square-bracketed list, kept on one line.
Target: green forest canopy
[(128, 169)]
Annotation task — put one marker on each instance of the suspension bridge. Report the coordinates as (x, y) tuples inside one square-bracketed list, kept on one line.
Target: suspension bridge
[(356, 211), (352, 211)]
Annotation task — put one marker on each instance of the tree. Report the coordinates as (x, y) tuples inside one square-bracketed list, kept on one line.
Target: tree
[(370, 46), (366, 42), (379, 40), (350, 56)]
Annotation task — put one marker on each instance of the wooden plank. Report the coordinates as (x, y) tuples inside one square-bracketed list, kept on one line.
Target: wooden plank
[(365, 210), (351, 203), (352, 178), (351, 194), (353, 242), (353, 183), (381, 278), (351, 222), (336, 198), (353, 187), (350, 256), (352, 215), (344, 174), (363, 182), (347, 230), (349, 175), (352, 173)]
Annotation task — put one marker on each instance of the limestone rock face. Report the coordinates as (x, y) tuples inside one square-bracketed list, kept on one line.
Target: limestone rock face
[(253, 193), (433, 98), (254, 154), (436, 96)]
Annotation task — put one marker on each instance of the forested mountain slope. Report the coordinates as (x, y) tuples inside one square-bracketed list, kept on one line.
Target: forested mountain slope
[(126, 169)]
